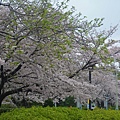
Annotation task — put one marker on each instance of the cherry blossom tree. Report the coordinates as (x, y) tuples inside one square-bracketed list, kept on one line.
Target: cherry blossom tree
[(43, 45), (32, 34)]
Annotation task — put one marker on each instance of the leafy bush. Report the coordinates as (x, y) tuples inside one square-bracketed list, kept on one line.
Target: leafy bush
[(25, 103), (3, 110), (69, 101), (6, 108), (48, 102), (59, 113)]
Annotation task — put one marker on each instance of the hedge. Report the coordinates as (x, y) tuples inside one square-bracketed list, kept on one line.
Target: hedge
[(59, 113)]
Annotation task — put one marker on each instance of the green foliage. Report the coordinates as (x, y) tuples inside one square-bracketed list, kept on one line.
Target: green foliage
[(59, 113), (3, 110), (118, 75), (6, 108), (68, 102), (48, 102), (26, 103), (42, 20)]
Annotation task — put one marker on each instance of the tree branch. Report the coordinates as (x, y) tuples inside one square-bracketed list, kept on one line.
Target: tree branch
[(13, 72), (90, 63), (5, 4), (2, 96)]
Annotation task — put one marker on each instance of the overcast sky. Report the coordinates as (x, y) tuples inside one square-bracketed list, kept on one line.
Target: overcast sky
[(108, 9)]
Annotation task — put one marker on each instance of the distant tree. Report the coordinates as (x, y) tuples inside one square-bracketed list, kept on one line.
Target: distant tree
[(92, 47)]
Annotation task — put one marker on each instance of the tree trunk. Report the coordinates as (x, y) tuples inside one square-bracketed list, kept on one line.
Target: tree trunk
[(1, 99)]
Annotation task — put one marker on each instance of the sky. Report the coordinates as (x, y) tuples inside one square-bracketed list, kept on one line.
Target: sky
[(107, 9)]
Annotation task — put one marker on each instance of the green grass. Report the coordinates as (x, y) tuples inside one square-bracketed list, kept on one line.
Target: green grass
[(59, 113)]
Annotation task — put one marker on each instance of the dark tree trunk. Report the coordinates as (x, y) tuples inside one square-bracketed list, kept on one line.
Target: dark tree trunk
[(4, 79), (0, 102), (1, 99)]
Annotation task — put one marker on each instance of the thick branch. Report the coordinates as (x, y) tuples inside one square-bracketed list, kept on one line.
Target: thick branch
[(90, 63), (13, 72), (2, 96), (5, 4)]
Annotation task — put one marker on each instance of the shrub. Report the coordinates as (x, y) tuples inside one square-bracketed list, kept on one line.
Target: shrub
[(25, 103), (48, 102), (69, 101), (6, 108), (59, 113)]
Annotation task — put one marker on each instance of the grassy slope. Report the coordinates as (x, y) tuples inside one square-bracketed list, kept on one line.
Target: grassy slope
[(39, 113)]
